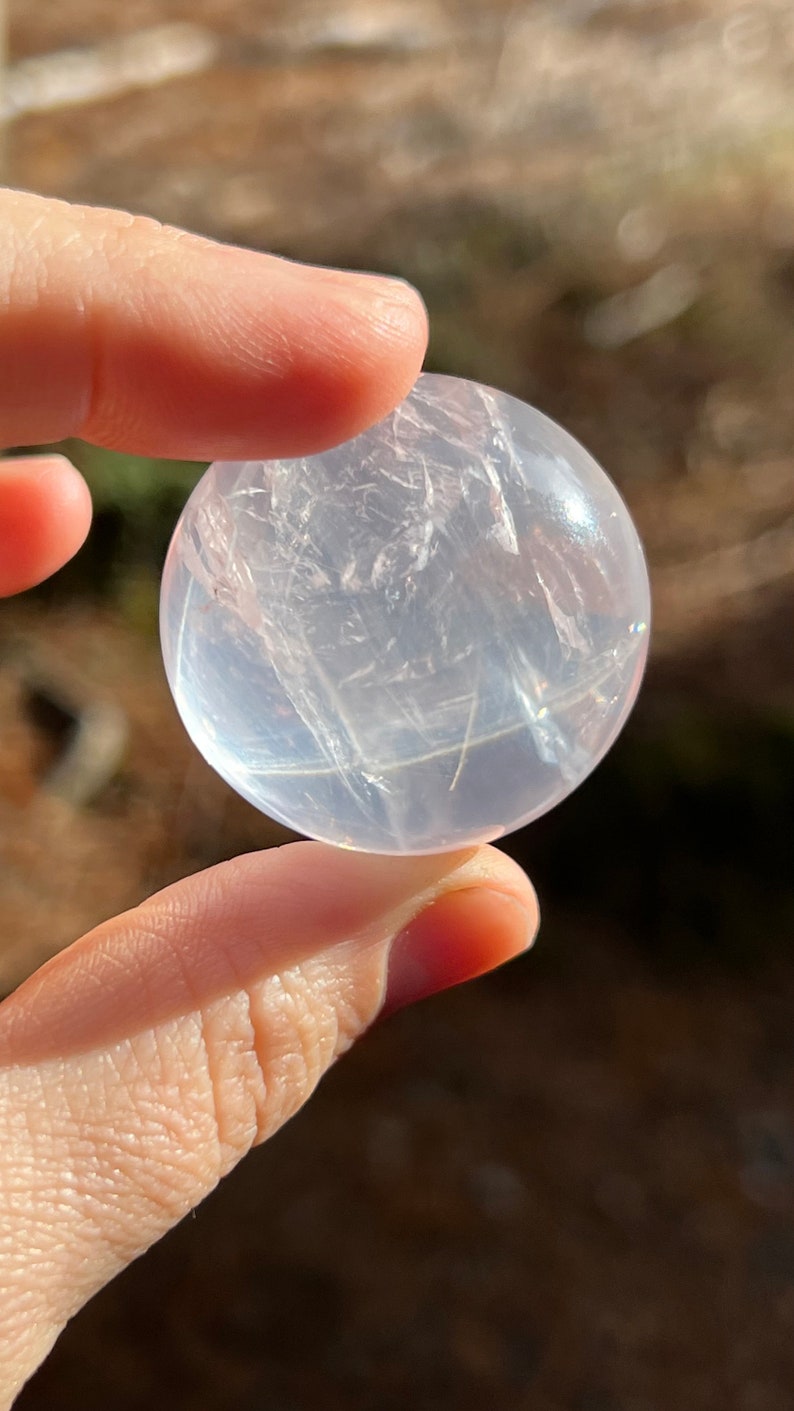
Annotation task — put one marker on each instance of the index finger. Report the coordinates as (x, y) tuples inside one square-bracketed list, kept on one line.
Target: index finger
[(150, 340)]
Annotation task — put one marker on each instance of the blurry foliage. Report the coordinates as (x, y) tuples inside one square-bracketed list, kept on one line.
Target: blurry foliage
[(136, 504), (133, 486)]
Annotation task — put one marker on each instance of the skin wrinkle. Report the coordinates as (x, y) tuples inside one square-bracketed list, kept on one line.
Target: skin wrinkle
[(121, 1219), (282, 1053), (123, 1147), (134, 1136), (27, 272), (140, 1064), (156, 286), (158, 342), (311, 1029), (296, 1040), (238, 1094), (42, 1260), (131, 1163), (54, 1013)]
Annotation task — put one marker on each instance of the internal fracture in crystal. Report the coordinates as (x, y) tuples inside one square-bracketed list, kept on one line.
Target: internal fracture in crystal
[(415, 642)]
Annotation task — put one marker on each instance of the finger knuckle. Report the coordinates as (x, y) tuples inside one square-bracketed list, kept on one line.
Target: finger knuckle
[(265, 1051)]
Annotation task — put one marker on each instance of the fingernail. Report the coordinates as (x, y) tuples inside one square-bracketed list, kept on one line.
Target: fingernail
[(53, 463), (462, 934), (387, 284), (372, 291), (36, 467)]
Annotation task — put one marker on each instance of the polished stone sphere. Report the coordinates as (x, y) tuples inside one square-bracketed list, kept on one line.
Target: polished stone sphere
[(418, 641)]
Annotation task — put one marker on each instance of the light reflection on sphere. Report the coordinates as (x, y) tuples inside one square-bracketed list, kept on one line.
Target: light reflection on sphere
[(418, 641)]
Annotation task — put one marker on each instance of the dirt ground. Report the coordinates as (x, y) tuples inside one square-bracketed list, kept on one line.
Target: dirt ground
[(569, 1187)]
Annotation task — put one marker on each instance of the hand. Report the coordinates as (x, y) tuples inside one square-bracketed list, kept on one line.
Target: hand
[(142, 1063)]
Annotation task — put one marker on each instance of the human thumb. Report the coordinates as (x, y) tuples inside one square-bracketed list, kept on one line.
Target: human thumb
[(142, 1063)]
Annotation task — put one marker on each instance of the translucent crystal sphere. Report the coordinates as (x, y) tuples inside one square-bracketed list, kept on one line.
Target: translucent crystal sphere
[(417, 641)]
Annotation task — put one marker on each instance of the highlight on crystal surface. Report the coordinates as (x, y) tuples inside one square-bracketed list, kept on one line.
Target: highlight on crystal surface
[(417, 641)]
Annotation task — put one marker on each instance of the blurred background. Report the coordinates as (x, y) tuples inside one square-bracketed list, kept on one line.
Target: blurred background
[(569, 1187)]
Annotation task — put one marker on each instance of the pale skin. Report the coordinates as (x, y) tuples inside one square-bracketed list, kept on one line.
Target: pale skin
[(143, 1062)]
